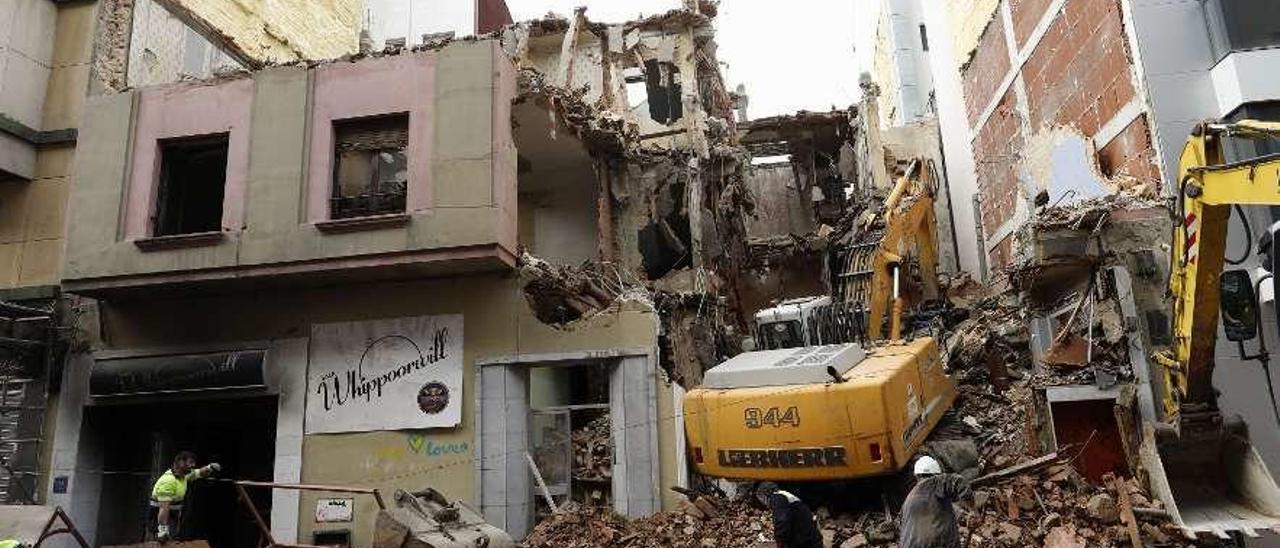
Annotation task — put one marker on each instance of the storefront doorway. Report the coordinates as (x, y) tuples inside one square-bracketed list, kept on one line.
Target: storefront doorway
[(138, 441), (533, 405), (571, 437)]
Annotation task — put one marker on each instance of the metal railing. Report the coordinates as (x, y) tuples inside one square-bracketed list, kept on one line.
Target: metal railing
[(367, 205)]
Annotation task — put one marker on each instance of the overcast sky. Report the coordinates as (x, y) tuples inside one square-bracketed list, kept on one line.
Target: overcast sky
[(791, 55)]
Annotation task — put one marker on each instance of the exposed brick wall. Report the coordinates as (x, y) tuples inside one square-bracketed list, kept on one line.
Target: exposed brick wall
[(1002, 254), (996, 151), (1026, 14), (1130, 154), (1079, 74), (983, 74), (493, 16)]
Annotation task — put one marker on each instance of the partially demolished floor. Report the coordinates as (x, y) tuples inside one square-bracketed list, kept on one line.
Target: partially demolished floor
[(1052, 421)]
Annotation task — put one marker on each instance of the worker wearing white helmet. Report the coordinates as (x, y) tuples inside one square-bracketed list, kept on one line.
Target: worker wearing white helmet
[(929, 515)]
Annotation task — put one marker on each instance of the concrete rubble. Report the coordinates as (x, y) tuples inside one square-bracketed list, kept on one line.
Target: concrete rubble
[(1029, 493)]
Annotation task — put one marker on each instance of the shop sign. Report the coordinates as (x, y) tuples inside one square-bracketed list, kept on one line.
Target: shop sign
[(335, 510), (396, 374), (177, 373)]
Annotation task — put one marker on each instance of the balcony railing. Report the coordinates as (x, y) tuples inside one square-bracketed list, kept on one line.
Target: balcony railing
[(367, 205)]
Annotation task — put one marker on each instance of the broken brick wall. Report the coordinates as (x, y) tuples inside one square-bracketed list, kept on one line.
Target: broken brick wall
[(1070, 69), (995, 149)]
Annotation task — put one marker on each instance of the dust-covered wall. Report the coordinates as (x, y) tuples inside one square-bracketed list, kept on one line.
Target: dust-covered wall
[(279, 30), (967, 20), (780, 208), (165, 49)]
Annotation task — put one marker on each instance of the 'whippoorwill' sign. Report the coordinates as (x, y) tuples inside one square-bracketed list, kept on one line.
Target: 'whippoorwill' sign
[(398, 374)]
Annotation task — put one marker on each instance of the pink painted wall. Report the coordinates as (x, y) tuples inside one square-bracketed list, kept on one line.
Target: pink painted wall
[(188, 110), (402, 83)]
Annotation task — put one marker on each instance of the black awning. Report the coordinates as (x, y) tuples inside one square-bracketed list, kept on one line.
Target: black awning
[(178, 373)]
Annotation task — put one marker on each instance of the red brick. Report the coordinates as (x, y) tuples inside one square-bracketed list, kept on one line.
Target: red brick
[(986, 70), (1130, 154), (1001, 255), (1026, 15), (1082, 58), (997, 150)]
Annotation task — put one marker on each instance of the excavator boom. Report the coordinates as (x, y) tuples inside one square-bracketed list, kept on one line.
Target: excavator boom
[(1207, 473)]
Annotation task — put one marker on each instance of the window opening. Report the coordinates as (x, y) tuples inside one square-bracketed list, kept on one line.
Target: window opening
[(370, 169), (193, 174), (571, 437), (1242, 25), (662, 83)]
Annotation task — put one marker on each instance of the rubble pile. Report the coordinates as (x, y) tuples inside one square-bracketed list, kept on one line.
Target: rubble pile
[(1057, 508), (599, 129), (1089, 214), (593, 450), (562, 294), (1042, 501), (705, 522)]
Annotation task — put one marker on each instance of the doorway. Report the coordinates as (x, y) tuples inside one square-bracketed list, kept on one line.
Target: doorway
[(571, 435), (139, 440)]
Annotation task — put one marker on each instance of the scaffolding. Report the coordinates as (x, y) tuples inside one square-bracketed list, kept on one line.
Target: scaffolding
[(29, 349)]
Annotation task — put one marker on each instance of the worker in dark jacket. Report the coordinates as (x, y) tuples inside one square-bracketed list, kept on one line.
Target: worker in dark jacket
[(793, 523), (929, 514)]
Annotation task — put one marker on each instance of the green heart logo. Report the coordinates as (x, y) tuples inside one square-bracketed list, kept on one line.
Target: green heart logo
[(416, 442)]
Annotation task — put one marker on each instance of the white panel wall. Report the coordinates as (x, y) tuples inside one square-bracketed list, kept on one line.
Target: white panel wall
[(1246, 77), (1173, 43), (962, 177), (633, 413), (411, 19), (503, 411), (73, 456), (287, 375), (910, 59)]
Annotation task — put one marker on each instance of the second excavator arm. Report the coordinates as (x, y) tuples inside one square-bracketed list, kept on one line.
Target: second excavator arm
[(1208, 188)]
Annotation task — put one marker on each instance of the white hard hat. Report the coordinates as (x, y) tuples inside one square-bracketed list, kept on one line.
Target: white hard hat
[(927, 466)]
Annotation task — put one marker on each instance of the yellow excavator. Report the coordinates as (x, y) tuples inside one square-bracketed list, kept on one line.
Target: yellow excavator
[(1209, 476), (812, 406)]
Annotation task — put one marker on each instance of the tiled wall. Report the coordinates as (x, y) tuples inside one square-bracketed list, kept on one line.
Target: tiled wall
[(44, 68)]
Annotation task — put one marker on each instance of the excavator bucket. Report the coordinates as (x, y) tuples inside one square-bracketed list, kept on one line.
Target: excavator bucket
[(426, 519), (1213, 484)]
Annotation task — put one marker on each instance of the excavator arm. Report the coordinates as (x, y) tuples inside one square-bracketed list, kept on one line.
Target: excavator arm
[(910, 228), (1205, 470), (1208, 189)]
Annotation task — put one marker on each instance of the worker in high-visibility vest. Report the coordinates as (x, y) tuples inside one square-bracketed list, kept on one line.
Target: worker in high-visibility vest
[(169, 492), (11, 544)]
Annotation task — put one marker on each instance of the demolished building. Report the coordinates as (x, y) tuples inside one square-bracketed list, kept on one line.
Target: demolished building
[(429, 265)]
